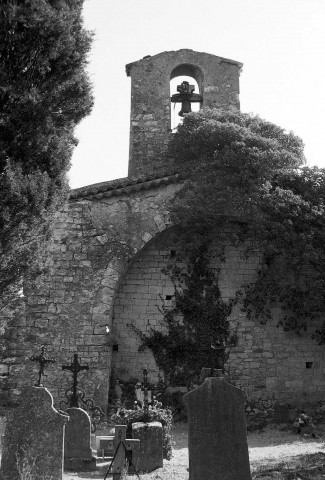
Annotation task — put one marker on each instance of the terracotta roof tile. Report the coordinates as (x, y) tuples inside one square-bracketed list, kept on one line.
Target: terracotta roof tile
[(122, 186)]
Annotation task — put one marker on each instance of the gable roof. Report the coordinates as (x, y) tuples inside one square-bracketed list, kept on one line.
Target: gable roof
[(121, 186)]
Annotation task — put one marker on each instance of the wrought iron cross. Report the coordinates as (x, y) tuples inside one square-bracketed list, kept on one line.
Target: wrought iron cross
[(145, 387), (185, 97), (75, 368), (214, 351), (43, 361)]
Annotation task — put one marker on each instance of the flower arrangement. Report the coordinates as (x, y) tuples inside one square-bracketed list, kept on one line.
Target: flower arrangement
[(154, 414)]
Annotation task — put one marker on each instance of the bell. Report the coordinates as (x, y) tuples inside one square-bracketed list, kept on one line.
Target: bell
[(186, 108)]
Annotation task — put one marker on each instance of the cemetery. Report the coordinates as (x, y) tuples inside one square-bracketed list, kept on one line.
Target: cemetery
[(130, 356), (42, 443)]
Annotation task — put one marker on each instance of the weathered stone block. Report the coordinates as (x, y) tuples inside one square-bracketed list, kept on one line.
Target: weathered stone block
[(151, 445)]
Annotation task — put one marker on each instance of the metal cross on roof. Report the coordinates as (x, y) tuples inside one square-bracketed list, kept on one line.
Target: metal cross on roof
[(186, 97), (75, 368)]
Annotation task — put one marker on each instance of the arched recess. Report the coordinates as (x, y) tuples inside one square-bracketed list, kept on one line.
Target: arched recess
[(138, 300), (194, 76)]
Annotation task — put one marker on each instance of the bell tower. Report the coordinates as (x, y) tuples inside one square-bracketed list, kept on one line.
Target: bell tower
[(151, 101)]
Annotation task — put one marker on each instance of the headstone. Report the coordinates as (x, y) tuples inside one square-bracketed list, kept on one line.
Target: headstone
[(33, 443), (151, 445), (217, 438), (77, 450)]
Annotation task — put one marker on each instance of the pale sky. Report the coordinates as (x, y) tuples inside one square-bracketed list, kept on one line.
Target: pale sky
[(280, 42)]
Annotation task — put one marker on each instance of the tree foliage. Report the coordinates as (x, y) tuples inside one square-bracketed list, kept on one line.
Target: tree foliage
[(240, 167), (44, 93)]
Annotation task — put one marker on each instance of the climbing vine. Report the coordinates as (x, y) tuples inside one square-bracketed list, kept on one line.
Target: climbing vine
[(198, 332), (238, 166)]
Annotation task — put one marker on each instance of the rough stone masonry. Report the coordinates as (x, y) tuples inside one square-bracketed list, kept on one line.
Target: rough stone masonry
[(109, 245)]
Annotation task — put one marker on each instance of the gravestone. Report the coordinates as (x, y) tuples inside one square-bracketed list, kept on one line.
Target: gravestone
[(77, 450), (33, 442), (151, 445), (217, 439)]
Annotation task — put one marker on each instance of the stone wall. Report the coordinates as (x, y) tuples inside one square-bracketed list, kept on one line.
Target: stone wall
[(150, 127), (267, 362), (105, 261), (68, 308)]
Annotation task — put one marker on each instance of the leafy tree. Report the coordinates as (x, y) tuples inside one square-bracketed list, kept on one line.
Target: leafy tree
[(242, 167), (44, 93)]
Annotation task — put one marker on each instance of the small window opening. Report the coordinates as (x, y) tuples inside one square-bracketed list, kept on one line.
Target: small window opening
[(115, 348), (173, 253), (309, 364), (169, 297), (4, 370)]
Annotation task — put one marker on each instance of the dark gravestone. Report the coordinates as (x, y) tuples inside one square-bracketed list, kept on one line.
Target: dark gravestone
[(77, 450), (217, 438), (33, 443)]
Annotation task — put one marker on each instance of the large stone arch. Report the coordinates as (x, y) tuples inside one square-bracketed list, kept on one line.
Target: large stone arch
[(142, 291), (95, 237)]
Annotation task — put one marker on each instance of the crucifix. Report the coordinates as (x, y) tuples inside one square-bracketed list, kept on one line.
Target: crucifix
[(43, 361), (215, 352), (75, 368), (186, 97), (123, 449), (216, 355)]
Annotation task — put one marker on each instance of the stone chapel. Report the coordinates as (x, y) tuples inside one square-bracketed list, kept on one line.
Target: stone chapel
[(109, 245)]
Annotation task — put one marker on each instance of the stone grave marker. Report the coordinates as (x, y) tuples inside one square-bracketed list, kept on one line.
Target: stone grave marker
[(151, 445), (122, 448), (77, 450), (33, 442), (217, 438)]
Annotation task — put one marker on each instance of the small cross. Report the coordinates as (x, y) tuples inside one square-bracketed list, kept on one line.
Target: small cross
[(43, 361), (122, 447), (75, 368)]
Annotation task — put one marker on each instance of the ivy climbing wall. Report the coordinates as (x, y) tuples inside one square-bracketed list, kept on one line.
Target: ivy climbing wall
[(267, 362)]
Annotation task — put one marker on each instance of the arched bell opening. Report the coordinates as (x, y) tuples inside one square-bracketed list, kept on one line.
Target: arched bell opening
[(185, 92)]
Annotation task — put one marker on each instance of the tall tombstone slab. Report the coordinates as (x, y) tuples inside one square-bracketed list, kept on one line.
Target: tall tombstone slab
[(217, 438), (33, 443), (77, 450)]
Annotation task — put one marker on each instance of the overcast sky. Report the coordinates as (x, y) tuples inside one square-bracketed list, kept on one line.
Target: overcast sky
[(280, 42)]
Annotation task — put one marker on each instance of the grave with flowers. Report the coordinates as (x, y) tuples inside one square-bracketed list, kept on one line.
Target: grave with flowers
[(149, 423)]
